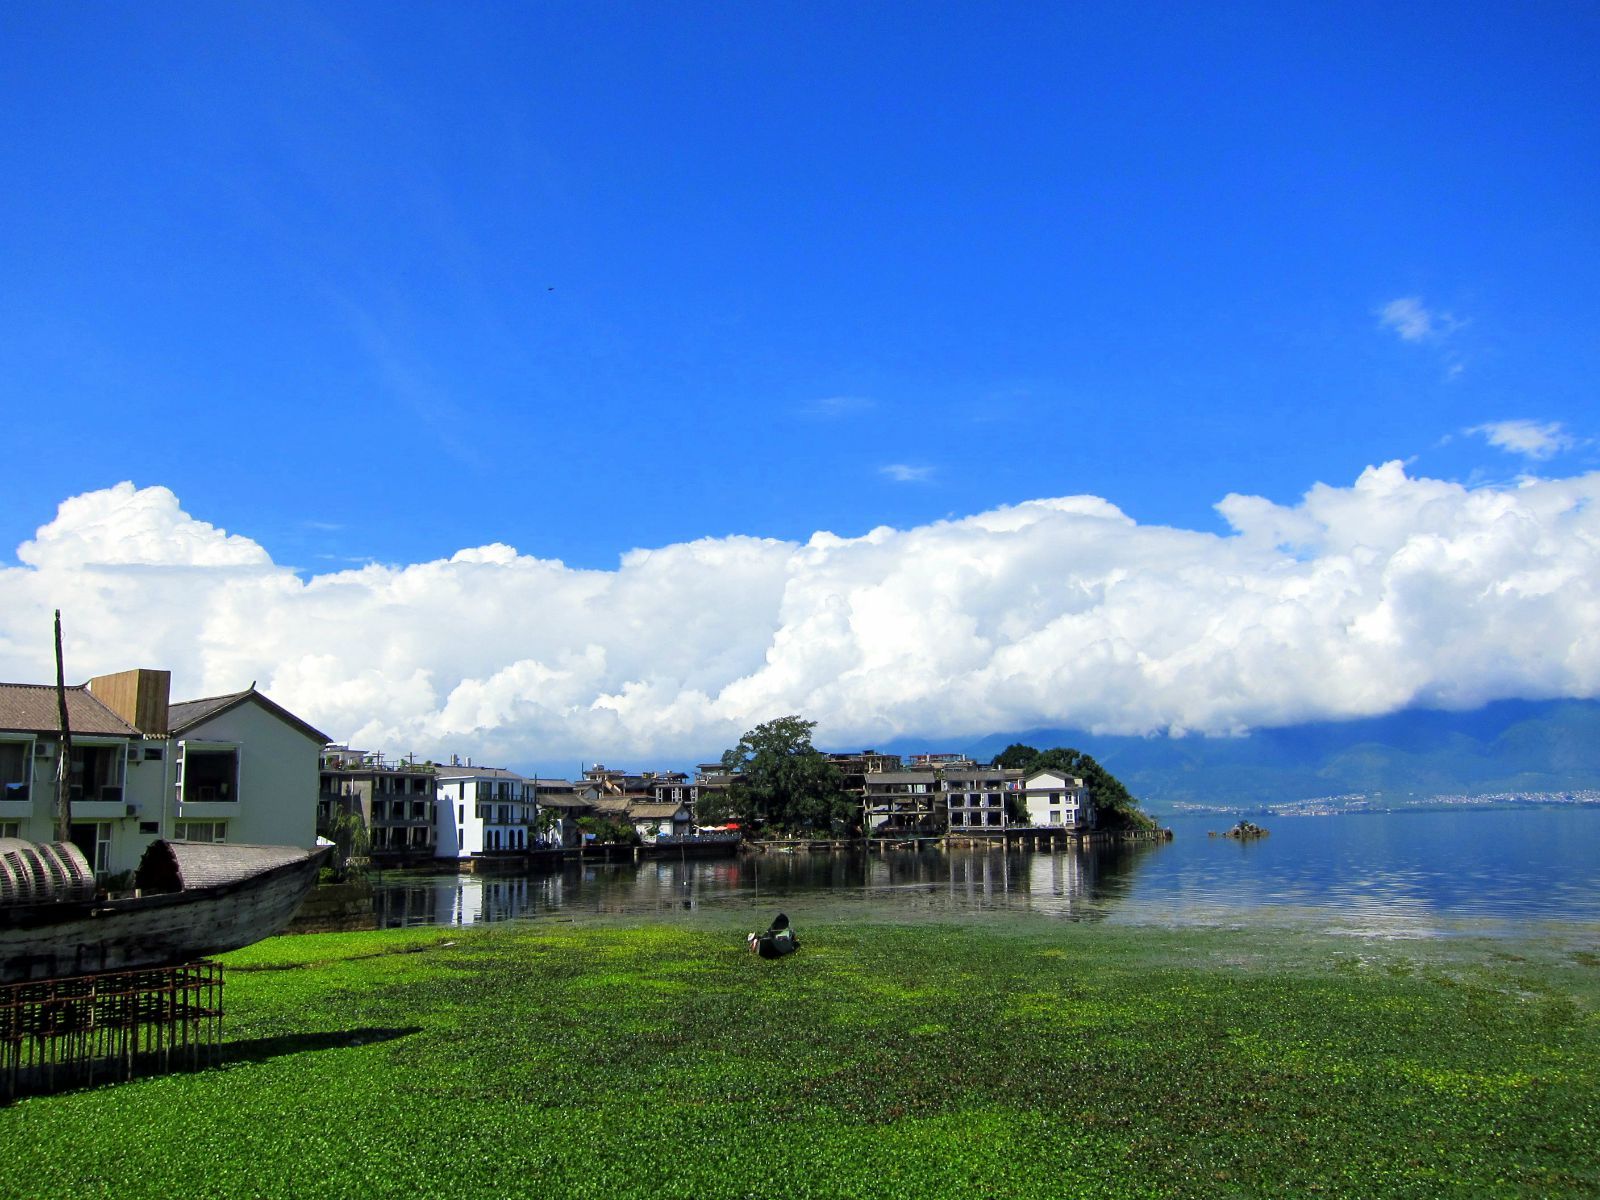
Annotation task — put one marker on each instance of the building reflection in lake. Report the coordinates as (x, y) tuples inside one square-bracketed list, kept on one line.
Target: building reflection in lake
[(1077, 884)]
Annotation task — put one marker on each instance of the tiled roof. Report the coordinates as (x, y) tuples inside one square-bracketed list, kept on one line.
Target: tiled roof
[(651, 810), (191, 712), (571, 802), (187, 713), (32, 708)]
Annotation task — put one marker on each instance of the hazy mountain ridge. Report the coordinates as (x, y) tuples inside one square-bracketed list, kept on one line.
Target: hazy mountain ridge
[(1507, 747)]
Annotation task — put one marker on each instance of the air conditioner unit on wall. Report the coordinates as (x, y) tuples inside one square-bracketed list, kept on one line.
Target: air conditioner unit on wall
[(43, 750)]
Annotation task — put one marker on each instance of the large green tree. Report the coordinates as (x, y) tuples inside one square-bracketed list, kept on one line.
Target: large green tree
[(781, 783), (1117, 807)]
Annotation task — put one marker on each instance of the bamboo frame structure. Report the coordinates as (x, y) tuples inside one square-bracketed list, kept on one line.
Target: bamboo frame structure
[(109, 1026)]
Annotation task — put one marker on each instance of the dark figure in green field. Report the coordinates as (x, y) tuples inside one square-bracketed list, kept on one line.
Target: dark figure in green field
[(778, 940)]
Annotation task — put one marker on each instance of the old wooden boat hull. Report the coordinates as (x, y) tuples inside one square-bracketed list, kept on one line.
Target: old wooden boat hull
[(81, 936)]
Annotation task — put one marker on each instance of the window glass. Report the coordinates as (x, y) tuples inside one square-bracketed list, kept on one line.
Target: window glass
[(200, 831)]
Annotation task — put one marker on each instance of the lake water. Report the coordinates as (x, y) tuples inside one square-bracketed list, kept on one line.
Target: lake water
[(1409, 874)]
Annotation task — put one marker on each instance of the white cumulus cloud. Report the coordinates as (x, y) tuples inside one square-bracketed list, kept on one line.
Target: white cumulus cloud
[(1356, 600)]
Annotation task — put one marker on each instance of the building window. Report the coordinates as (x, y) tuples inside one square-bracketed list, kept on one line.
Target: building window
[(10, 829), (97, 772), (94, 839), (209, 774), (200, 831), (16, 770)]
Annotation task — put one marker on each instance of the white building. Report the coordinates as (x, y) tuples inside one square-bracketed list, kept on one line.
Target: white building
[(482, 810), (653, 820), (1056, 800), (235, 768)]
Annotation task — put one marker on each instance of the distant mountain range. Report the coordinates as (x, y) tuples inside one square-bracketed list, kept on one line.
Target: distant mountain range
[(1510, 746)]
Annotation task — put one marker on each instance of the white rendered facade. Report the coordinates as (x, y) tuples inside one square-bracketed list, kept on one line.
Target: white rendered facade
[(482, 810), (1056, 800)]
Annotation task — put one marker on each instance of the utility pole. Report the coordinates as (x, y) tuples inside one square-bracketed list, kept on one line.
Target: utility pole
[(64, 762)]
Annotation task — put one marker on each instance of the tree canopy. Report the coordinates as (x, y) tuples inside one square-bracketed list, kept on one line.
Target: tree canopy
[(783, 783), (1117, 807)]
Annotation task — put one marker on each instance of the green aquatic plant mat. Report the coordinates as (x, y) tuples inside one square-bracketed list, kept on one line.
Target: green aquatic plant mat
[(1011, 1058)]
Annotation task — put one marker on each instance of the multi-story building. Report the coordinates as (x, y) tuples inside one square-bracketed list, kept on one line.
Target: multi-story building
[(709, 791), (395, 801), (234, 768), (669, 787), (975, 797), (959, 796), (1056, 800), (559, 807), (482, 810), (903, 802)]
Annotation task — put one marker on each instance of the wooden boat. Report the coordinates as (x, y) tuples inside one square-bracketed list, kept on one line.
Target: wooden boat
[(194, 899)]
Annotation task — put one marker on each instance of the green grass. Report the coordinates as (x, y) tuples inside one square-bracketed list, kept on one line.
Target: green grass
[(1017, 1058)]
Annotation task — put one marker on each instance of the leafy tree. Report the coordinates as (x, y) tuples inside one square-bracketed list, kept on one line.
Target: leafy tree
[(1117, 807), (1015, 757), (352, 844), (605, 829), (781, 782)]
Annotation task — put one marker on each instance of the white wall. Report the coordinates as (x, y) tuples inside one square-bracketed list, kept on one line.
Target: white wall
[(1071, 804), (279, 768), (450, 839)]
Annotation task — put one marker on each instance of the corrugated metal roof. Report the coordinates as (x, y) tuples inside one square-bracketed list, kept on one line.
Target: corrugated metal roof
[(32, 708)]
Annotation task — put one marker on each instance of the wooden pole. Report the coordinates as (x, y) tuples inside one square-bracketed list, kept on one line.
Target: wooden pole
[(64, 763)]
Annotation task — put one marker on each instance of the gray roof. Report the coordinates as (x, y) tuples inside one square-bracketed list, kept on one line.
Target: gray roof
[(32, 708), (186, 714), (571, 802), (654, 810), (459, 772)]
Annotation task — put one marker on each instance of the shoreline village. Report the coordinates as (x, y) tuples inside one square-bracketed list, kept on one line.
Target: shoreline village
[(240, 768)]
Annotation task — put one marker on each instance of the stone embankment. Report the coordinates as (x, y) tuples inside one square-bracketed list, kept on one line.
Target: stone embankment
[(336, 908)]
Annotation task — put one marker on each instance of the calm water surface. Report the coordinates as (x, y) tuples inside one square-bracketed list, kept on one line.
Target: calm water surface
[(1388, 874)]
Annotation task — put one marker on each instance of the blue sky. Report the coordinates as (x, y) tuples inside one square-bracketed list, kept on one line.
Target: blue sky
[(376, 283)]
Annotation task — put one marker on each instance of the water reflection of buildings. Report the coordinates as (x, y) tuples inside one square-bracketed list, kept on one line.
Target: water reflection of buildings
[(464, 899), (683, 885), (1081, 883)]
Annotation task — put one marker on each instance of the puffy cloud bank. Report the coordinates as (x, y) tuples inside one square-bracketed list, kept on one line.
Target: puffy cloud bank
[(1356, 601)]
